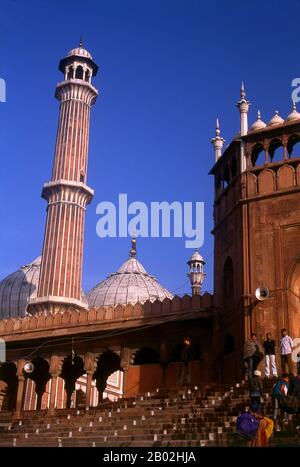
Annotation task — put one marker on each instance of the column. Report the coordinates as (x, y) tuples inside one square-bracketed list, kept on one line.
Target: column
[(89, 380), (20, 391), (89, 366), (266, 148), (126, 354), (55, 369)]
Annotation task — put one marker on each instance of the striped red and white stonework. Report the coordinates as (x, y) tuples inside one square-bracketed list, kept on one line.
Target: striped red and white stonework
[(60, 283)]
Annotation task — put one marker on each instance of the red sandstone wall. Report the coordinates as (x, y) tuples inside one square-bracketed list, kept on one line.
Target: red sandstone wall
[(143, 378)]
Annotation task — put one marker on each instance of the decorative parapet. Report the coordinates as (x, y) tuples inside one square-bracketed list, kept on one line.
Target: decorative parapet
[(177, 306)]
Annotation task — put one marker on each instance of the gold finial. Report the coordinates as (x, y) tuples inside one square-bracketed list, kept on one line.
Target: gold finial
[(132, 252)]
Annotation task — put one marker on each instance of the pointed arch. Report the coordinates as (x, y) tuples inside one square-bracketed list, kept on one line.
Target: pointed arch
[(276, 151), (285, 176), (79, 72), (266, 181), (293, 146), (258, 155)]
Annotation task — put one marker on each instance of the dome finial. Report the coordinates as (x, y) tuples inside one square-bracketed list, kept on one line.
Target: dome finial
[(80, 41), (243, 94), (294, 115), (217, 127), (217, 142), (243, 106), (258, 124), (132, 252)]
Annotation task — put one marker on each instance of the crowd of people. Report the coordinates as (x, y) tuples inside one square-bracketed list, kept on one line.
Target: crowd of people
[(253, 425)]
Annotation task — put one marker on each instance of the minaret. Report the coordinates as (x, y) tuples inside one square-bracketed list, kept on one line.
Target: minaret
[(217, 142), (243, 106), (196, 274), (67, 193)]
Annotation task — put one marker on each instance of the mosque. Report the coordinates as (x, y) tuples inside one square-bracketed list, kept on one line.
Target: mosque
[(66, 348)]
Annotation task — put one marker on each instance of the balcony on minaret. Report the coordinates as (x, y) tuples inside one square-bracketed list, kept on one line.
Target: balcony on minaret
[(78, 68), (78, 64)]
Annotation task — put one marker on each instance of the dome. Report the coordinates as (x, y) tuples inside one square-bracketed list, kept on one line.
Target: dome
[(294, 115), (17, 288), (80, 52), (130, 284), (196, 257), (276, 120), (82, 55), (258, 124)]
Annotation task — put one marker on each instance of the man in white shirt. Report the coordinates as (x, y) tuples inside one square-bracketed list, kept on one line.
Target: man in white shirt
[(286, 348)]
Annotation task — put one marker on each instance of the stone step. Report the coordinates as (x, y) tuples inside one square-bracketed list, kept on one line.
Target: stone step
[(203, 416)]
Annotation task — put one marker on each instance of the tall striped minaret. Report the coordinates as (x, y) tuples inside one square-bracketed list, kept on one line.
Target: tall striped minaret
[(67, 193)]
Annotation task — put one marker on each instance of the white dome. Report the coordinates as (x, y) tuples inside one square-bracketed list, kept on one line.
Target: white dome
[(276, 120), (130, 284), (258, 124), (80, 52), (294, 115), (17, 288), (196, 257)]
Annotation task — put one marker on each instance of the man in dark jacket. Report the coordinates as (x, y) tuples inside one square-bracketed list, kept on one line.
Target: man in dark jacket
[(256, 391), (188, 354), (252, 354)]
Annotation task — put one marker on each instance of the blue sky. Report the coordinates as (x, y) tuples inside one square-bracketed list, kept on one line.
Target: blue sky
[(167, 69)]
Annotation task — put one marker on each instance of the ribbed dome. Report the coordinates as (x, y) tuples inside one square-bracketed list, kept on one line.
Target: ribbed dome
[(130, 284), (276, 119), (17, 288), (258, 124), (80, 52), (20, 286), (294, 115), (196, 256)]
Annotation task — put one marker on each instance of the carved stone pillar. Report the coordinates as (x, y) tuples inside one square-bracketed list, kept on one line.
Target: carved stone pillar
[(284, 144), (89, 367), (266, 148), (126, 355), (55, 369), (20, 391)]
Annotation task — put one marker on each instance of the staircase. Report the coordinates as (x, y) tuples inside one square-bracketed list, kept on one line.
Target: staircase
[(176, 418)]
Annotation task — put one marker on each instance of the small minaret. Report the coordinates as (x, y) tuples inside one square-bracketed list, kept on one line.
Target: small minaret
[(217, 142), (243, 106), (196, 274), (67, 193)]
